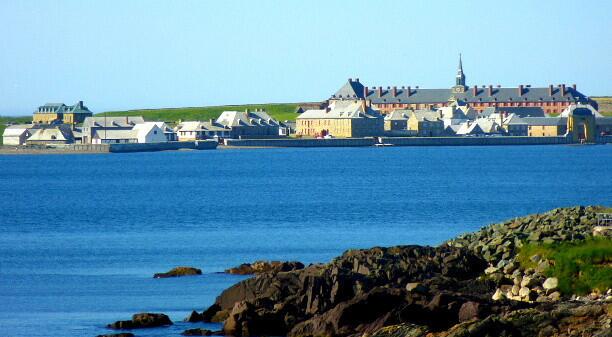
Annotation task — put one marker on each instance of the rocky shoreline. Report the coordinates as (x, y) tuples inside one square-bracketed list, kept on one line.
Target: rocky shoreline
[(473, 285)]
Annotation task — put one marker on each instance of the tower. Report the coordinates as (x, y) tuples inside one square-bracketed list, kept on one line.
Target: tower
[(459, 79)]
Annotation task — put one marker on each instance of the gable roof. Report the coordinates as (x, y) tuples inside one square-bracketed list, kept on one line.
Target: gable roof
[(113, 122), (342, 110), (246, 118), (58, 133), (116, 134), (77, 108), (198, 126), (398, 115), (426, 115), (545, 121)]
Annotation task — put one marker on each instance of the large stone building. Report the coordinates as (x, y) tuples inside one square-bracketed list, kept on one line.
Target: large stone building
[(61, 113), (249, 124), (552, 99), (344, 119)]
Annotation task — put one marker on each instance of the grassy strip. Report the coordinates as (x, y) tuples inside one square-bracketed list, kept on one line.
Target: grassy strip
[(605, 105), (281, 112), (580, 266)]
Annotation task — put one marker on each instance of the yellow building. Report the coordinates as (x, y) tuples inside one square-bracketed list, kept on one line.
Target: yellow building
[(426, 123), (61, 113), (345, 119), (545, 126)]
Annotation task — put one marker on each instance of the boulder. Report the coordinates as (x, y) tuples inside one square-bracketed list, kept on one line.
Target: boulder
[(178, 272), (197, 332), (260, 267), (193, 317), (469, 311), (142, 320), (550, 284)]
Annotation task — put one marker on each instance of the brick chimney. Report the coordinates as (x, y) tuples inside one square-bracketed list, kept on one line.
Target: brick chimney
[(357, 80), (550, 90), (408, 91), (562, 89), (520, 90), (394, 91), (490, 90), (380, 91), (475, 90), (366, 91), (574, 87)]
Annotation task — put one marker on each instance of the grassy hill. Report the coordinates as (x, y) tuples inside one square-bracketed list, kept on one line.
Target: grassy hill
[(605, 105), (279, 111)]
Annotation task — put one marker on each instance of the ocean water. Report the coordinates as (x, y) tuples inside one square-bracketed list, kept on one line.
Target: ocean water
[(82, 235)]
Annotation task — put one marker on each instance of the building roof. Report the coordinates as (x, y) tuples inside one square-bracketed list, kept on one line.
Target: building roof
[(350, 90), (246, 118), (545, 121), (56, 133), (580, 110), (519, 111), (198, 126), (77, 108), (418, 95), (398, 115), (487, 125), (342, 110), (113, 122), (427, 115), (470, 128), (116, 134)]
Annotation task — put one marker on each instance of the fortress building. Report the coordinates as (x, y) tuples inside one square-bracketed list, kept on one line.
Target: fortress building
[(552, 99)]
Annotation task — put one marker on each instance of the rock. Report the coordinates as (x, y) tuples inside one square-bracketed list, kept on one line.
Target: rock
[(260, 267), (529, 282), (535, 258), (197, 332), (469, 311), (142, 320), (543, 266), (401, 330), (491, 270), (123, 334), (416, 287), (550, 284), (209, 313), (498, 295), (179, 271), (554, 296), (193, 317), (526, 294)]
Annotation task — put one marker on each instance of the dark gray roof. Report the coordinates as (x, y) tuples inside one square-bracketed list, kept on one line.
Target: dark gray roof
[(77, 108), (545, 121), (350, 90), (354, 89)]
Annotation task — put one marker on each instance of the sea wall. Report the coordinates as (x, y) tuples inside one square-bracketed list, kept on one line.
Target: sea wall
[(464, 141), (290, 142), (146, 147)]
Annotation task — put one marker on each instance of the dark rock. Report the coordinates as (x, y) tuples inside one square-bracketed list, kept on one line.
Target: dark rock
[(142, 320), (209, 313), (123, 334), (260, 267), (197, 332), (469, 311), (194, 316), (179, 271)]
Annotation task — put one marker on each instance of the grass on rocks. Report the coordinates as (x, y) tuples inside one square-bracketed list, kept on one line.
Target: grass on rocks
[(580, 266)]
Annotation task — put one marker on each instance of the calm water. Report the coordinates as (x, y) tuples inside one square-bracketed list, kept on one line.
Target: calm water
[(81, 235)]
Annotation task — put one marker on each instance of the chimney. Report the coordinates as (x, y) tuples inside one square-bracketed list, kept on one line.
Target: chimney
[(366, 91), (490, 90), (408, 91), (562, 89), (380, 91), (357, 80), (81, 102), (394, 91), (520, 90), (350, 80), (574, 87), (475, 90), (550, 90)]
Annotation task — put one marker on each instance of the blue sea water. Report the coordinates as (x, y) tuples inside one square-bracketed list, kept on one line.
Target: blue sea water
[(82, 235)]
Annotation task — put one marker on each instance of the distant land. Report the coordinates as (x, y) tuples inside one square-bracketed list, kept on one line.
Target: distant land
[(279, 111)]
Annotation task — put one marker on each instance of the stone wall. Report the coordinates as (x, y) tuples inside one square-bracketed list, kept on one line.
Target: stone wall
[(145, 147), (334, 142), (459, 141)]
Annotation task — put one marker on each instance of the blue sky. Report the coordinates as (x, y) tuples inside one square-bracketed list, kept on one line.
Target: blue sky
[(143, 54)]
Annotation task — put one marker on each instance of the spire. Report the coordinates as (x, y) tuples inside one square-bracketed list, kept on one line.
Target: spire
[(460, 79)]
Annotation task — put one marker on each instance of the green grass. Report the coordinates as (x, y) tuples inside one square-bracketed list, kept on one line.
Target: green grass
[(580, 266), (280, 111), (13, 120), (605, 105)]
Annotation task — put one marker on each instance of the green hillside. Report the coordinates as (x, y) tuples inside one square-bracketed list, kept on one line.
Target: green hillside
[(280, 111), (605, 105), (12, 120)]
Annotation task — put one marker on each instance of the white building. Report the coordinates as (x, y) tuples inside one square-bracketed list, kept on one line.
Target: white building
[(16, 134), (146, 132), (196, 130)]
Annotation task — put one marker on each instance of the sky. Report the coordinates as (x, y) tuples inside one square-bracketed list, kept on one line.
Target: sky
[(117, 55)]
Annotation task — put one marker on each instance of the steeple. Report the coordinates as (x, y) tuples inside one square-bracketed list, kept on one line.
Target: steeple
[(460, 79)]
